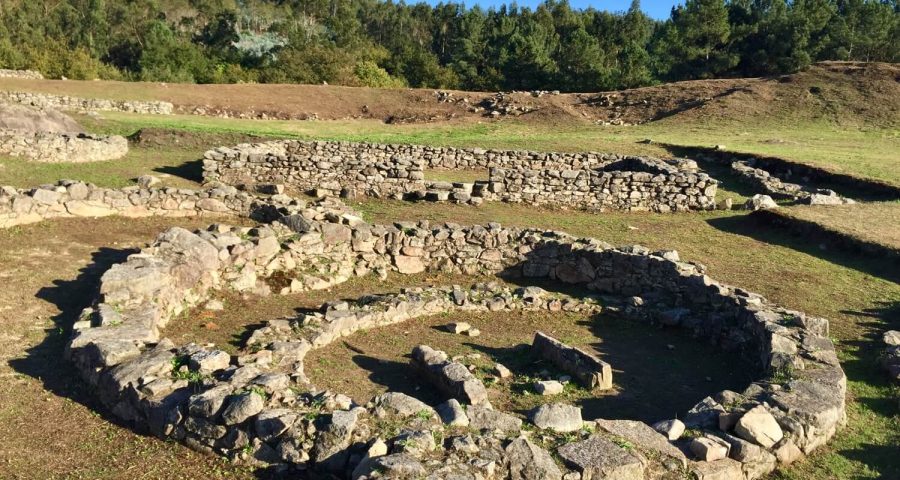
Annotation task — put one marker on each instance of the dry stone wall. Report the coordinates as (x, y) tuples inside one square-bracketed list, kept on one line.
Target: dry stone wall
[(333, 167), (62, 147), (580, 180), (249, 407), (631, 183), (24, 74), (65, 102), (72, 199)]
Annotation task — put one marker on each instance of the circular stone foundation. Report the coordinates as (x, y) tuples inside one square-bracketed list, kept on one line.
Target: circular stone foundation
[(657, 374), (259, 406)]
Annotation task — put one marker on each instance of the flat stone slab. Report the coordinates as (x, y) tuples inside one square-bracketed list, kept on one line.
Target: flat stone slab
[(453, 378), (644, 436), (587, 368), (599, 458)]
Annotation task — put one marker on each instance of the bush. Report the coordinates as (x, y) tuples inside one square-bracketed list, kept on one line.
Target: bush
[(369, 74)]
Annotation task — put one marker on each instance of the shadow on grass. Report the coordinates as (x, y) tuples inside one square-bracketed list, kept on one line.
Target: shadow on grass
[(658, 373), (45, 361), (192, 171), (858, 188), (753, 227), (872, 391)]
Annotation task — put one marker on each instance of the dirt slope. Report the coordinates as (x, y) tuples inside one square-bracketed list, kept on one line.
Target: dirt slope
[(841, 92)]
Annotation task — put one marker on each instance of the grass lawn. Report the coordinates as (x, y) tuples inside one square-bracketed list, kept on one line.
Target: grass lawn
[(865, 152), (876, 222)]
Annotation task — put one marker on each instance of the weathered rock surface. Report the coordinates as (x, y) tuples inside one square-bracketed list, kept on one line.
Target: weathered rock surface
[(557, 417)]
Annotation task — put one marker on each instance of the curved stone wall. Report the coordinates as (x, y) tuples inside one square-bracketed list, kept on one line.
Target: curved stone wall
[(62, 147), (257, 407), (582, 180), (65, 102)]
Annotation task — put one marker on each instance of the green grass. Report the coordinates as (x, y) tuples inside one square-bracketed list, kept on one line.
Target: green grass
[(867, 152)]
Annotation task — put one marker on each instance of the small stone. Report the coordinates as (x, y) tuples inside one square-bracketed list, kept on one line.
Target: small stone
[(147, 181), (209, 361), (671, 429), (548, 387), (760, 202), (788, 453), (709, 449), (452, 413), (242, 407), (760, 427), (458, 327), (214, 305), (502, 372), (473, 332)]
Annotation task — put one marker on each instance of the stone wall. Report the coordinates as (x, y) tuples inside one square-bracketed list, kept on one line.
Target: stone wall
[(62, 147), (65, 102), (25, 74), (248, 407), (631, 183), (70, 199), (377, 170), (580, 180)]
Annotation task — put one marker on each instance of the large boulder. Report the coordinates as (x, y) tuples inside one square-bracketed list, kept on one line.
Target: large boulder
[(30, 119)]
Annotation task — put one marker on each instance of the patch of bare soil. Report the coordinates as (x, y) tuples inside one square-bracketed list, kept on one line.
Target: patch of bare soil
[(845, 92)]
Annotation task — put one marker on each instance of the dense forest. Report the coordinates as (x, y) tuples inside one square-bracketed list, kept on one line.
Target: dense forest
[(386, 44)]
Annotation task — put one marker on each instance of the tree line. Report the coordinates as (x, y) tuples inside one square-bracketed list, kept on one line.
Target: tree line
[(385, 44)]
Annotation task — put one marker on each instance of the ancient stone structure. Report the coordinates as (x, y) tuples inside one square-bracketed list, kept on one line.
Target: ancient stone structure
[(581, 180), (587, 368), (450, 377), (62, 147), (775, 186), (65, 102), (24, 74), (69, 199), (260, 407)]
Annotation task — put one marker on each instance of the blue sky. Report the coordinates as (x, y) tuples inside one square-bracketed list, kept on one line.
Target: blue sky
[(655, 8)]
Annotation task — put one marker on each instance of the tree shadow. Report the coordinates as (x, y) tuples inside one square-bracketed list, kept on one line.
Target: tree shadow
[(755, 227)]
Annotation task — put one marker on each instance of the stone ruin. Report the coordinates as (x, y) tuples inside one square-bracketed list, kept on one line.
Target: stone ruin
[(581, 180), (260, 407), (47, 135), (587, 368), (749, 172), (78, 104), (24, 74)]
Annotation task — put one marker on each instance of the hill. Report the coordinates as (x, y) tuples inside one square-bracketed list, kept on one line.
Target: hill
[(843, 93)]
